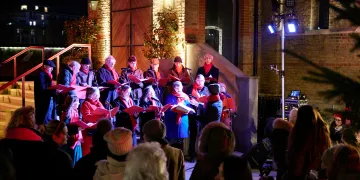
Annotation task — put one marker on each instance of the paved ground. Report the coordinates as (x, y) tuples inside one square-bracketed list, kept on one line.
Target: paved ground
[(189, 167)]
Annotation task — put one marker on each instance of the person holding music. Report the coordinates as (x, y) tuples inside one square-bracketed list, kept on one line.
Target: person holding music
[(133, 70), (88, 109), (124, 119), (199, 92), (107, 77), (229, 106), (180, 72), (210, 72), (149, 99), (85, 77), (153, 72), (177, 122), (45, 99)]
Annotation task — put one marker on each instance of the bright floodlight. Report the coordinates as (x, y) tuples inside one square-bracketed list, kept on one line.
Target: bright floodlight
[(291, 27), (271, 29)]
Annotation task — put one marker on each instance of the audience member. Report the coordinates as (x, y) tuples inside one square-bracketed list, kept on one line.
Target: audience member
[(24, 151), (119, 142), (146, 161), (308, 140), (279, 141), (336, 128), (216, 142), (85, 168), (56, 135), (234, 168), (346, 164), (155, 131)]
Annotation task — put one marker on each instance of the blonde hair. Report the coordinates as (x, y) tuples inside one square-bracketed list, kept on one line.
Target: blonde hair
[(146, 161), (23, 117)]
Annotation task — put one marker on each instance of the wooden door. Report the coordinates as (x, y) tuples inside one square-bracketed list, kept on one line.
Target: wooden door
[(130, 20)]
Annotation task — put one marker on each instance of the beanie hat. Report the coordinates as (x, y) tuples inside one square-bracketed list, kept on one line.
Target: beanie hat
[(154, 130), (119, 141), (155, 61), (132, 58), (214, 88), (85, 61), (178, 59), (49, 63)]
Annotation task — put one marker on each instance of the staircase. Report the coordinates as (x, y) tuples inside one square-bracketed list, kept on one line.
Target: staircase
[(11, 94), (10, 100)]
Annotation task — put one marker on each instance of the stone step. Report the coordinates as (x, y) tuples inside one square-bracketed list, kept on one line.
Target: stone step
[(16, 101), (29, 85), (29, 94), (4, 120)]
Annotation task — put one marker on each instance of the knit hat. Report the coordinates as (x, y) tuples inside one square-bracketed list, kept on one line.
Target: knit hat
[(177, 59), (119, 141), (49, 63), (132, 59), (154, 130), (85, 61), (155, 61), (214, 88)]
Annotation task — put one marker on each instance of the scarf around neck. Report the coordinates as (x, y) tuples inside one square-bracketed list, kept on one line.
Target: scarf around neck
[(207, 67), (195, 90), (49, 75), (113, 72), (180, 98), (85, 70)]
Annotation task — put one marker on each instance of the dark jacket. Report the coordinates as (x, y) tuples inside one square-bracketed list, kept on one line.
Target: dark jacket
[(45, 99), (89, 79), (85, 168), (136, 91), (147, 116), (212, 112), (65, 75), (122, 118), (206, 168), (34, 159), (182, 75), (159, 91), (108, 94), (214, 72)]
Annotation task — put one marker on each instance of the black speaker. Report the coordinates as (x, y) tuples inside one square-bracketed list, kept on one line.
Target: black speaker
[(259, 153)]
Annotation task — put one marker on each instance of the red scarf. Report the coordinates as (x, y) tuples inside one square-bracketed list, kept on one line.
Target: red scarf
[(113, 72), (49, 75), (178, 69), (207, 67), (73, 78), (181, 97), (158, 75), (128, 104), (222, 96), (195, 90), (85, 70)]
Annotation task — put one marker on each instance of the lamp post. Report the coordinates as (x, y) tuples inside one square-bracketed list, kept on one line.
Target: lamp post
[(93, 4), (280, 26)]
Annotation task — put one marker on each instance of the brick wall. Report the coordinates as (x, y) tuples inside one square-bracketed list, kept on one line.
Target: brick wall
[(329, 48), (195, 21)]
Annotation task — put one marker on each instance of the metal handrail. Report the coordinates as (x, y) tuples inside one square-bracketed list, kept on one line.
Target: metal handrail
[(57, 56), (20, 53)]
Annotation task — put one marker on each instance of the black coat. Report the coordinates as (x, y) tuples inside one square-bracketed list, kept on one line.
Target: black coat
[(85, 168), (64, 78), (45, 99), (136, 91), (34, 159), (109, 94), (122, 118), (212, 112), (214, 72)]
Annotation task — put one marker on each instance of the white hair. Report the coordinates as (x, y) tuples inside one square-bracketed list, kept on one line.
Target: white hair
[(146, 161), (110, 57), (293, 115), (75, 64)]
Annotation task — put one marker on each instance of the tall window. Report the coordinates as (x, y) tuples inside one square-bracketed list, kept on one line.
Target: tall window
[(32, 32), (45, 9), (324, 6), (42, 17), (18, 30), (23, 7), (36, 7), (34, 23), (30, 23)]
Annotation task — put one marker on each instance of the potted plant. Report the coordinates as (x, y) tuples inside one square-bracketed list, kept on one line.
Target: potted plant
[(162, 37)]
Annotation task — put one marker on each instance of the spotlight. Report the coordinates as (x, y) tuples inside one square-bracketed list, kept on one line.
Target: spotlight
[(272, 28), (292, 25)]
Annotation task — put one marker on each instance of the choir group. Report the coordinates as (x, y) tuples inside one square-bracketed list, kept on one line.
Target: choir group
[(81, 97)]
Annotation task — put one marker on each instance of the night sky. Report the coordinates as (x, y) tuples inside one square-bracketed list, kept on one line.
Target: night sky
[(75, 7)]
